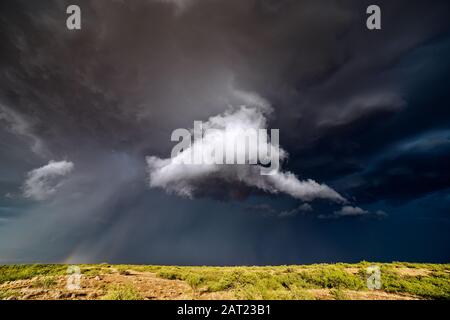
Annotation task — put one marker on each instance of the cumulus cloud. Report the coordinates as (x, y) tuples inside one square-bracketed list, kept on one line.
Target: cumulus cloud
[(176, 175), (43, 182), (351, 211)]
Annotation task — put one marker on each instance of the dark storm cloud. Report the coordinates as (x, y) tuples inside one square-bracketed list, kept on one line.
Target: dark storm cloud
[(410, 169), (394, 156), (345, 99), (136, 71), (270, 211)]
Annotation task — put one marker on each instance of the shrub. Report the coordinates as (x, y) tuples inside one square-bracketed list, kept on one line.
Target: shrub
[(126, 292), (20, 272), (44, 282), (332, 277)]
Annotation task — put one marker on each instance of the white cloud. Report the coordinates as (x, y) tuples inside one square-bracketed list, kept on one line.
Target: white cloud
[(185, 180), (350, 211), (43, 182)]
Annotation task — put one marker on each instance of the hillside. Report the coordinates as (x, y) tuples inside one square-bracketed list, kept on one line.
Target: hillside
[(140, 282)]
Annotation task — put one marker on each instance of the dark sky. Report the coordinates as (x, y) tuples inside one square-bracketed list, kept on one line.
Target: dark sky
[(366, 113)]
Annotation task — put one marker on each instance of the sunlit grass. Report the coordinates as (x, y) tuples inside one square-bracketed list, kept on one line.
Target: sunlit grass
[(122, 292), (427, 281)]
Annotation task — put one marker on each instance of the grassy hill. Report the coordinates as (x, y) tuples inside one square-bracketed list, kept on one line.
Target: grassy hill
[(318, 281)]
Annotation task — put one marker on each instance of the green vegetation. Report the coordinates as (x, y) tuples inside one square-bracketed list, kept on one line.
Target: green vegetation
[(338, 294), (283, 282), (263, 282), (435, 285), (329, 276), (21, 272), (122, 292), (331, 281), (44, 282), (5, 294)]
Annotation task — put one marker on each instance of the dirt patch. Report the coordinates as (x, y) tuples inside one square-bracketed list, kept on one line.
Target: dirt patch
[(147, 284), (221, 295), (320, 294), (326, 294), (412, 272), (377, 295), (352, 270)]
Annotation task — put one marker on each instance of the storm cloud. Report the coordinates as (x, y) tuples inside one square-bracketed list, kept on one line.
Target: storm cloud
[(186, 178), (363, 116), (43, 182)]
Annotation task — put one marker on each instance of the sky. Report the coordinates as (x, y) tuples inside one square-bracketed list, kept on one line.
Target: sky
[(86, 118)]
